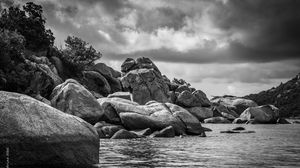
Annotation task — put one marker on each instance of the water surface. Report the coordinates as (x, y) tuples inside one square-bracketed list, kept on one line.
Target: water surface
[(269, 146)]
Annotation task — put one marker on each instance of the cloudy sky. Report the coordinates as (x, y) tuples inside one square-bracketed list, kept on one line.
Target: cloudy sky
[(232, 47)]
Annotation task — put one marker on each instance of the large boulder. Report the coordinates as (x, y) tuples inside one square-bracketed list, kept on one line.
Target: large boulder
[(72, 98), (40, 135), (266, 114), (141, 63), (106, 71), (110, 75), (201, 112), (94, 81), (195, 99), (242, 104), (221, 110), (146, 85), (217, 120), (236, 104), (154, 115)]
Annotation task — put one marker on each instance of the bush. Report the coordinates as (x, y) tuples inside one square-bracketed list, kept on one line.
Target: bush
[(79, 54), (12, 46), (30, 23)]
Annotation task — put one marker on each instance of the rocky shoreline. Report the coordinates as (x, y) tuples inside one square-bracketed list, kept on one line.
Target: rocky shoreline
[(138, 102)]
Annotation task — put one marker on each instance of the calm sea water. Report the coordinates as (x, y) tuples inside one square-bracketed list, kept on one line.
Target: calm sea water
[(270, 146)]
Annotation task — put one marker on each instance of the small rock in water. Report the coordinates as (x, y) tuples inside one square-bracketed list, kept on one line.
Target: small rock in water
[(247, 132), (207, 129), (166, 132), (238, 128), (229, 132), (124, 134)]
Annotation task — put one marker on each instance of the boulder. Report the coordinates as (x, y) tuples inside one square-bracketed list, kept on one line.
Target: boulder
[(40, 135), (201, 97), (47, 71), (207, 129), (124, 134), (141, 63), (187, 99), (165, 133), (228, 116), (217, 120), (266, 114), (282, 121), (195, 99), (94, 81), (201, 113), (239, 121), (127, 65), (182, 88), (72, 98), (108, 130), (123, 95), (242, 104), (154, 115), (221, 110), (106, 71), (144, 132), (146, 85), (234, 103), (110, 75)]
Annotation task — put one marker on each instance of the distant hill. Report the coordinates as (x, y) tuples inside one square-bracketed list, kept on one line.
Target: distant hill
[(286, 97)]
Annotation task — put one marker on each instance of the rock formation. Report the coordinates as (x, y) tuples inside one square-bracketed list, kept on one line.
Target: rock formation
[(72, 98), (38, 134)]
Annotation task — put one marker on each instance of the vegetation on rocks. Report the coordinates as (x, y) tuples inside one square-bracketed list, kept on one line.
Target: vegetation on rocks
[(286, 97)]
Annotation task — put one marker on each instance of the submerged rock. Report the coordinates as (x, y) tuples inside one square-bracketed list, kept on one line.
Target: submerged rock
[(124, 134), (217, 120), (167, 132), (144, 132), (282, 121), (106, 130), (41, 135)]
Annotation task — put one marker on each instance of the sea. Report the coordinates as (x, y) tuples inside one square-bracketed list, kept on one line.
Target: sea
[(270, 146)]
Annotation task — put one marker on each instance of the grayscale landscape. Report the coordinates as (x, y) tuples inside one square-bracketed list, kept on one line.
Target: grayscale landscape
[(160, 83)]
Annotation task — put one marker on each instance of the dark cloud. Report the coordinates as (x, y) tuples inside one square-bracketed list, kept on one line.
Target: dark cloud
[(156, 18), (271, 28)]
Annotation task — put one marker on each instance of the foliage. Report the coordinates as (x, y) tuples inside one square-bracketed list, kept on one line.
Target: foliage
[(286, 97), (12, 46), (79, 54), (30, 23)]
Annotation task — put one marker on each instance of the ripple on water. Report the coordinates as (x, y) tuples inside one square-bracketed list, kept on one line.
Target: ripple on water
[(270, 146)]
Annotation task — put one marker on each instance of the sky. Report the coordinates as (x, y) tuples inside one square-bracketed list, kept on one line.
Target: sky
[(233, 47)]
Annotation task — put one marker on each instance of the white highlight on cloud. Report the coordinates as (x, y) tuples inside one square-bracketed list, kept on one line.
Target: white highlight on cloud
[(105, 35)]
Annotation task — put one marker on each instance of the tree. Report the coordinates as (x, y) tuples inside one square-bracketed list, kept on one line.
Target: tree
[(12, 46), (79, 53), (30, 23)]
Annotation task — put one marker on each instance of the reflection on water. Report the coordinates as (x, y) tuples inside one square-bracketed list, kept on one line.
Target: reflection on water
[(270, 146)]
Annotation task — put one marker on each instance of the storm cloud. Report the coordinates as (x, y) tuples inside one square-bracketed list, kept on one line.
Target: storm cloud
[(245, 41)]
